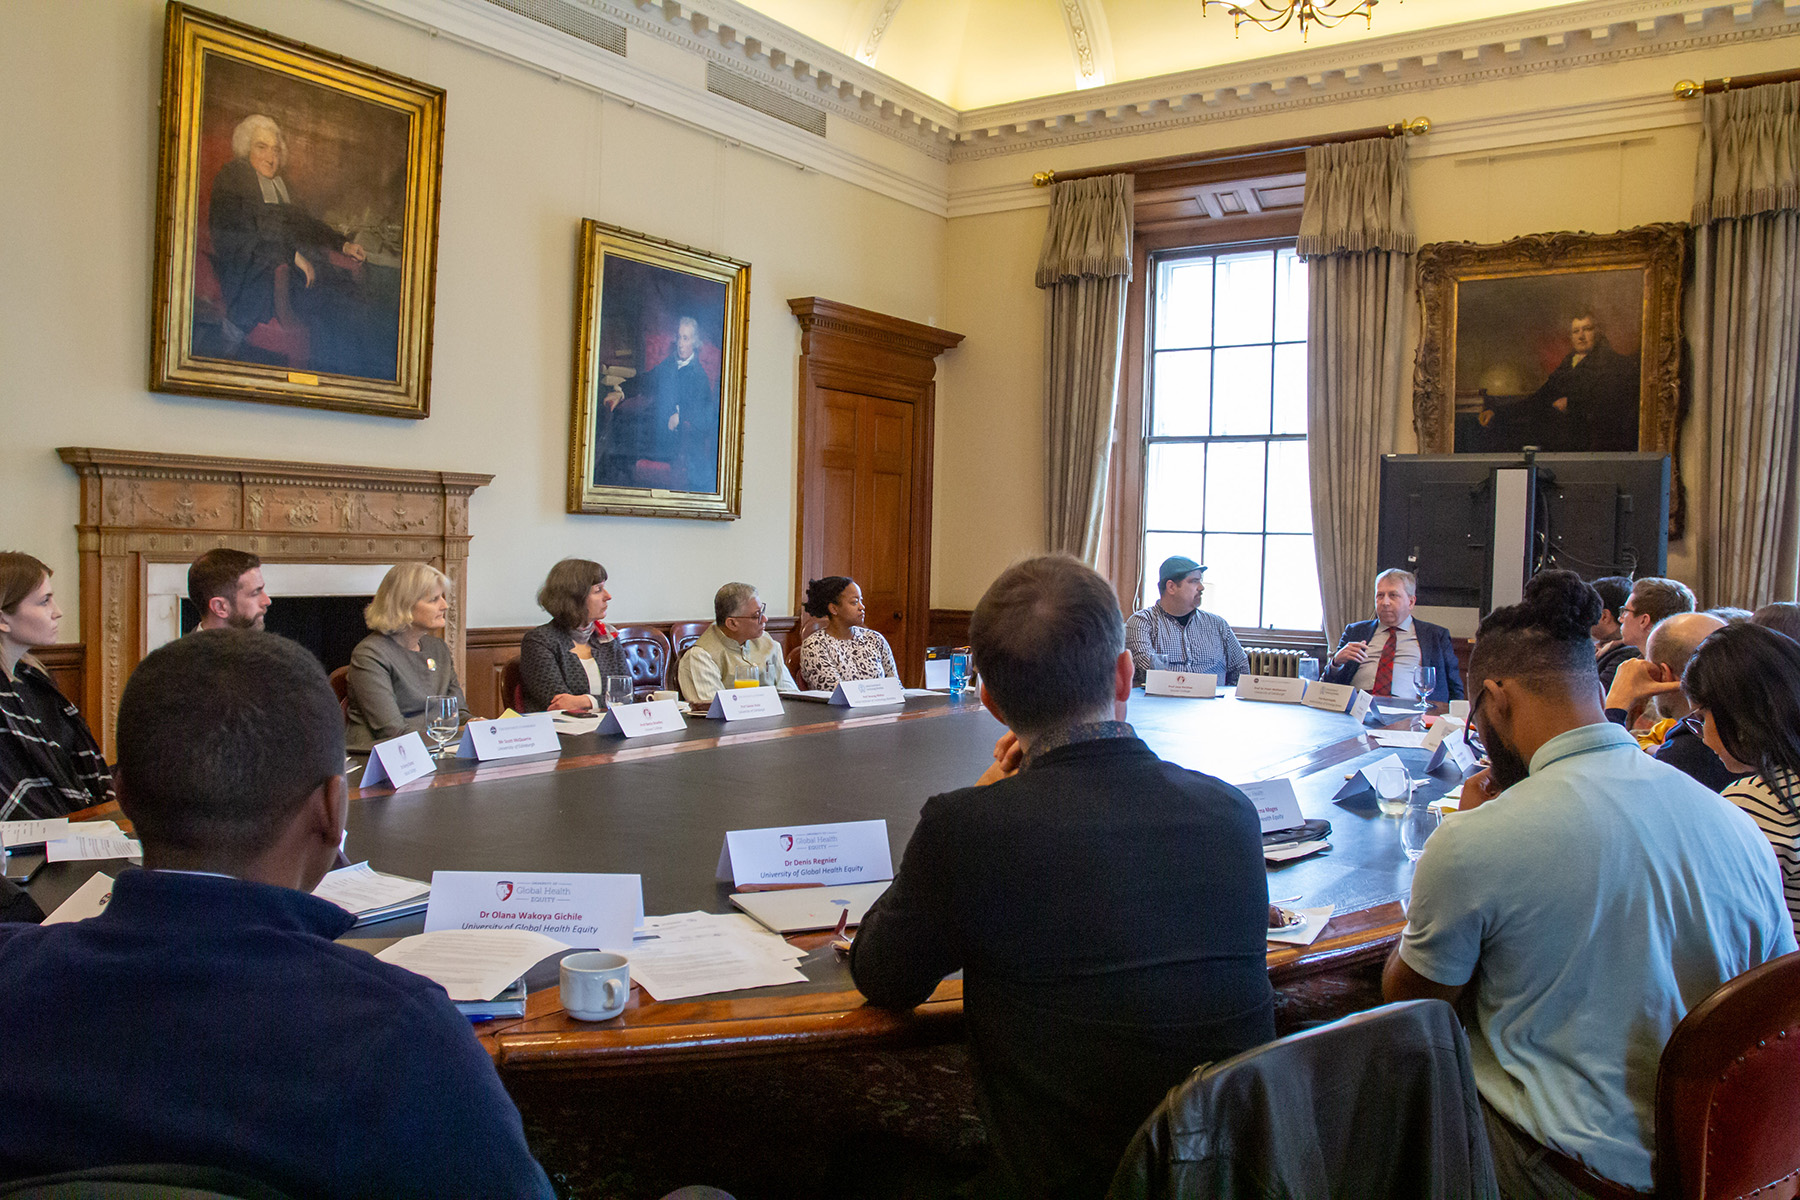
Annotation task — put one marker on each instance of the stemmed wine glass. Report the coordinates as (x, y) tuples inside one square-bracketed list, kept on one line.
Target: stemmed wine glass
[(1424, 683), (443, 717)]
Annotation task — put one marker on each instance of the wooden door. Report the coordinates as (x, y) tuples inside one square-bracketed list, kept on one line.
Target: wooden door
[(866, 404), (866, 465)]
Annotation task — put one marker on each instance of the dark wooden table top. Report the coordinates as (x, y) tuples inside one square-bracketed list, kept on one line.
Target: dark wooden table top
[(660, 806)]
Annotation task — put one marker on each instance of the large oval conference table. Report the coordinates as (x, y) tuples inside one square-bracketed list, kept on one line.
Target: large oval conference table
[(659, 806)]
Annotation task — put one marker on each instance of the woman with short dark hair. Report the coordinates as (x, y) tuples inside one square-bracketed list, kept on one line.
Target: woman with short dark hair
[(1745, 682), (564, 663), (842, 648), (50, 765)]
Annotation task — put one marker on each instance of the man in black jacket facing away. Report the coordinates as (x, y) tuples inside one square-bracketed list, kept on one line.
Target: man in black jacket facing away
[(1109, 910)]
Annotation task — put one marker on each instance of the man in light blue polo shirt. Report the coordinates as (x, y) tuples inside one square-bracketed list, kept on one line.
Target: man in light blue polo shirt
[(1599, 896)]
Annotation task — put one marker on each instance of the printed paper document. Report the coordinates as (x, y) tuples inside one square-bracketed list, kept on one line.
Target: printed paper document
[(472, 964)]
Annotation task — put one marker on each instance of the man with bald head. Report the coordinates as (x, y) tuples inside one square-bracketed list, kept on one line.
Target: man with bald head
[(1653, 683)]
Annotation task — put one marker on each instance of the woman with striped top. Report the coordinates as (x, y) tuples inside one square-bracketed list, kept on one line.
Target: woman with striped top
[(49, 763), (1745, 681)]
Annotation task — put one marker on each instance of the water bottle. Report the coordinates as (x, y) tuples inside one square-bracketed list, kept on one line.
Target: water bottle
[(959, 670)]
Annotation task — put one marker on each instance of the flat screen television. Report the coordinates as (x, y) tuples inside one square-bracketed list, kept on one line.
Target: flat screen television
[(1594, 514)]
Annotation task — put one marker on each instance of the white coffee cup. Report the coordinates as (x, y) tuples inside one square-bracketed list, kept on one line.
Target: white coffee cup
[(665, 695), (595, 984)]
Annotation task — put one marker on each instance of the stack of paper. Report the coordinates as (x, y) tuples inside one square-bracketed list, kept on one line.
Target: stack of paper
[(372, 896), (34, 833), (472, 964), (697, 954), (89, 840), (1394, 738)]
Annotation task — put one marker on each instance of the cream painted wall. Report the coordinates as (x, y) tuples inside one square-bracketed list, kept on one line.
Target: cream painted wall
[(525, 159)]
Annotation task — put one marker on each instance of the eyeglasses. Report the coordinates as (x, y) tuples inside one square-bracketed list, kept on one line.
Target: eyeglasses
[(761, 614)]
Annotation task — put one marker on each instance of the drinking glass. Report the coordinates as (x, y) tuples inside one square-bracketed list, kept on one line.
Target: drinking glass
[(1424, 680), (1393, 787), (1417, 824), (618, 690), (442, 720), (959, 670)]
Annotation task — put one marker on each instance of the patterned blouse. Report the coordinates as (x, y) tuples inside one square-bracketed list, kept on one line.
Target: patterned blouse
[(1774, 804), (825, 660)]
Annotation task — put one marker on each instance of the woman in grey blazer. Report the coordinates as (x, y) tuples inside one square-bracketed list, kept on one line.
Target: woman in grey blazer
[(564, 662), (404, 660)]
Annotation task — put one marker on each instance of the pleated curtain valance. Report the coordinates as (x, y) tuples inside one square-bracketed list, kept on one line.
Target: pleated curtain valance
[(1089, 232), (1749, 153), (1357, 199)]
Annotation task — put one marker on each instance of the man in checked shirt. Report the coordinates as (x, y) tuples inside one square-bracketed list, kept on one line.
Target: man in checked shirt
[(1174, 635)]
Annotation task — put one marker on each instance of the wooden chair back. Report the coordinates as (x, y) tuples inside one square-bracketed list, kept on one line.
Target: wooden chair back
[(647, 653), (798, 632), (512, 686), (1728, 1092), (340, 686)]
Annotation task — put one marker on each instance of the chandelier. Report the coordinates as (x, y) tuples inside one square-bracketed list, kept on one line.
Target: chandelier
[(1273, 14)]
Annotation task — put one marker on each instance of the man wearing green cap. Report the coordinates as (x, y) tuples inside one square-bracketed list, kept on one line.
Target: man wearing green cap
[(1174, 635)]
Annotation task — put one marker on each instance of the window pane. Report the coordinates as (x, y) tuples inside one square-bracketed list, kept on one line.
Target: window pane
[(1290, 297), (1234, 486), (1184, 304), (1290, 388), (1241, 384), (1158, 546), (1292, 601), (1290, 502), (1234, 576), (1180, 389), (1172, 492), (1245, 288)]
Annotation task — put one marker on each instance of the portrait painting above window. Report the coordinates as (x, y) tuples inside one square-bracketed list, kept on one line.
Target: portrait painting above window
[(659, 371), (298, 199), (1561, 341)]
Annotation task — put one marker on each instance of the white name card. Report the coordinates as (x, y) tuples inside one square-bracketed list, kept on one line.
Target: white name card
[(1364, 779), (868, 693), (509, 737), (635, 720), (88, 900), (1445, 741), (734, 704), (1281, 689), (1337, 697), (1182, 683), (584, 911), (1277, 807), (399, 760), (846, 852)]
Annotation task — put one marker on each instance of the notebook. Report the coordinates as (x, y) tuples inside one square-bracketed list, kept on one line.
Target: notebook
[(798, 910)]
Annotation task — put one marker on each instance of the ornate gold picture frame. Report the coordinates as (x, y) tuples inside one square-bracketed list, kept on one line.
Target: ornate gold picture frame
[(1563, 341), (658, 415), (297, 210)]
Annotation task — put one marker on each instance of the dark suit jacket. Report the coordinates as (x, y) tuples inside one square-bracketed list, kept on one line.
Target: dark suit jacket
[(548, 668), (1602, 390), (212, 1021), (1109, 913), (1435, 650), (251, 238)]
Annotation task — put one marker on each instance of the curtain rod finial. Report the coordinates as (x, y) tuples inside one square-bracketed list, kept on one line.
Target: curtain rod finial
[(1687, 89), (1043, 178), (1416, 125)]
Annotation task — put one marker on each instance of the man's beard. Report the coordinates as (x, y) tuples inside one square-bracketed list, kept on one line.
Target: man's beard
[(240, 621), (1506, 765)]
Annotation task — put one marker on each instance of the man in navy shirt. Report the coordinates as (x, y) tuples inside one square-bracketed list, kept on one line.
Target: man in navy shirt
[(207, 1017)]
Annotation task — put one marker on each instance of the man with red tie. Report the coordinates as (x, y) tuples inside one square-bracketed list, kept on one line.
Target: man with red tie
[(1383, 656)]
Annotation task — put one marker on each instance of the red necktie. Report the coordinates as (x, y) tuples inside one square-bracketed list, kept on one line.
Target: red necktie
[(1384, 670)]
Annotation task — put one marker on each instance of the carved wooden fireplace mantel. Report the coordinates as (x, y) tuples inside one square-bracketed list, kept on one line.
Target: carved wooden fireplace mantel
[(140, 508)]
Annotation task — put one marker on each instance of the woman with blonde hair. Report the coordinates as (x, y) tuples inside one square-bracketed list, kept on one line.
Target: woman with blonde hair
[(50, 765), (404, 661)]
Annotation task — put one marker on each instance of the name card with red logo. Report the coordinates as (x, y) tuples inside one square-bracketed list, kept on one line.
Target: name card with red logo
[(1277, 807), (398, 761), (584, 911), (868, 693), (1337, 697), (845, 852), (509, 737), (734, 704), (1281, 689), (1181, 683), (635, 720)]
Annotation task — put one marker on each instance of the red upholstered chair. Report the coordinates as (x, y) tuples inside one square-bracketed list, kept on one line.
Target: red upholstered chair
[(340, 685), (1728, 1092), (647, 653), (512, 686), (798, 632)]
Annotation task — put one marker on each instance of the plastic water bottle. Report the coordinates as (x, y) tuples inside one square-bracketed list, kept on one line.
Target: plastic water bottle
[(959, 670)]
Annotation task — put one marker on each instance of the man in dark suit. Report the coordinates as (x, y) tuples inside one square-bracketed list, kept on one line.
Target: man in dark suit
[(671, 416), (1108, 910), (1383, 656), (207, 1017), (1590, 401)]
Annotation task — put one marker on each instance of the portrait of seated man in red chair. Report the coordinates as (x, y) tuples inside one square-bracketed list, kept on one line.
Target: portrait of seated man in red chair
[(299, 237), (658, 424)]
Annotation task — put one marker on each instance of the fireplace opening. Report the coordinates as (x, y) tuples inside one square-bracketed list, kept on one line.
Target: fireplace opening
[(329, 626)]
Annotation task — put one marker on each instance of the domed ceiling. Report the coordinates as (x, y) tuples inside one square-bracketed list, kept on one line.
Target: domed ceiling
[(974, 53)]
